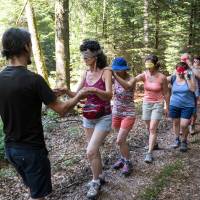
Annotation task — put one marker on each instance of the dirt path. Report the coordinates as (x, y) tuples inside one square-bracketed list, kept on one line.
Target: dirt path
[(70, 169)]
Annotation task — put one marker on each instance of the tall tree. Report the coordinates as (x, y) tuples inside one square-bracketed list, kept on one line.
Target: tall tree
[(37, 51), (191, 23), (157, 23), (104, 31), (146, 24), (62, 42)]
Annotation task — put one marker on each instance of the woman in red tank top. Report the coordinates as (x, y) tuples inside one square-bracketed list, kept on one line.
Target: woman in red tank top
[(96, 82)]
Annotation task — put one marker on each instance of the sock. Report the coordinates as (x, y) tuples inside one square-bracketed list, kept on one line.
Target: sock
[(96, 181)]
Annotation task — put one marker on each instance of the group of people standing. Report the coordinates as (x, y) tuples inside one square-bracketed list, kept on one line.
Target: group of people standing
[(22, 93)]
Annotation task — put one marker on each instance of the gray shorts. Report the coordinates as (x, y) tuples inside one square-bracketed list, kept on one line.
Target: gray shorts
[(102, 124), (152, 111)]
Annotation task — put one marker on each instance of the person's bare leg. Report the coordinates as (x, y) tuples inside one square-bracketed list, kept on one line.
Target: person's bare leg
[(184, 126), (121, 142), (93, 153), (153, 134), (176, 126)]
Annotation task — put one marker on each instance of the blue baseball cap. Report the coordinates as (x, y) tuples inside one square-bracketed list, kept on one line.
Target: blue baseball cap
[(119, 64)]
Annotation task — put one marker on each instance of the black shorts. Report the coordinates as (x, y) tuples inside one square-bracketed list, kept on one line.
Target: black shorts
[(33, 165)]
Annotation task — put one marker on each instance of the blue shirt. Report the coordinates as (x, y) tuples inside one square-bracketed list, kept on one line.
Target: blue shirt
[(182, 96)]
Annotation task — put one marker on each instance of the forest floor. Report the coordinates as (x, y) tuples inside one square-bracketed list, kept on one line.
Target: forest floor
[(173, 175)]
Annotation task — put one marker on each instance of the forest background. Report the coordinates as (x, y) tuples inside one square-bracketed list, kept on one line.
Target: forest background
[(128, 28)]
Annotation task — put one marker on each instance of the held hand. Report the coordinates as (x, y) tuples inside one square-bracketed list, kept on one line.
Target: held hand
[(108, 68), (59, 91), (83, 93)]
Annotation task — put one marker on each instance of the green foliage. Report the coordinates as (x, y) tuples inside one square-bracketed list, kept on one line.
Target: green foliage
[(49, 120), (71, 161), (174, 28), (7, 172), (161, 180)]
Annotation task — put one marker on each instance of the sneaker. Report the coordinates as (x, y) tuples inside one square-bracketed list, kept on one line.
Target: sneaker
[(101, 179), (183, 146), (176, 143), (192, 129), (119, 164), (148, 158), (93, 190), (127, 168)]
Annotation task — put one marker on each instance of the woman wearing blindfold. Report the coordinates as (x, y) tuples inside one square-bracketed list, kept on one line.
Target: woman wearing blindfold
[(155, 92), (96, 83), (182, 103)]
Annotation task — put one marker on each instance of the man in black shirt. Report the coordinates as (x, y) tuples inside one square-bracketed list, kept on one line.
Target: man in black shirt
[(22, 93)]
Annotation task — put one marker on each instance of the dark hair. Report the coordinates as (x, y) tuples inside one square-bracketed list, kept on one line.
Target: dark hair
[(154, 60), (182, 64), (94, 46), (14, 41), (197, 58)]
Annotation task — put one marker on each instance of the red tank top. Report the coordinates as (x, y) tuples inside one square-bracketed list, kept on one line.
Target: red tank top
[(94, 99)]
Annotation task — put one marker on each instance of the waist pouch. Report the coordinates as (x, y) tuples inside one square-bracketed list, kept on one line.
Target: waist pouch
[(92, 111)]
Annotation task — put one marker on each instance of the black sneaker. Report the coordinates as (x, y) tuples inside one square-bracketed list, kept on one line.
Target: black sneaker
[(183, 147)]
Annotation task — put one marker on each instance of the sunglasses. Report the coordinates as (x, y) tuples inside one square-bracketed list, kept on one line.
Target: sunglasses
[(88, 57)]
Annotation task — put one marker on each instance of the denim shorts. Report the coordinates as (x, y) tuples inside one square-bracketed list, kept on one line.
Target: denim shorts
[(152, 111), (102, 124), (33, 166), (185, 113)]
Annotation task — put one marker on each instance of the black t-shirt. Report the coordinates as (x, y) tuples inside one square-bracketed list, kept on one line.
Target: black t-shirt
[(21, 95)]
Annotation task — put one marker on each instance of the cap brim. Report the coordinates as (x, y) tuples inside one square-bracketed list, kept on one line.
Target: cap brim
[(120, 68)]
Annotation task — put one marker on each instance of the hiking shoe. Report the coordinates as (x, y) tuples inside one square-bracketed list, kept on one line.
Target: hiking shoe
[(101, 179), (119, 164), (192, 129), (183, 146), (93, 190), (127, 168), (176, 143), (148, 158)]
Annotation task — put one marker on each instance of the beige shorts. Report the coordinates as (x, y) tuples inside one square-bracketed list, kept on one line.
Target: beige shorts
[(152, 111)]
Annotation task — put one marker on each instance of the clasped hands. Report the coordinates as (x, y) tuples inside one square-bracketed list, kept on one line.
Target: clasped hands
[(83, 93)]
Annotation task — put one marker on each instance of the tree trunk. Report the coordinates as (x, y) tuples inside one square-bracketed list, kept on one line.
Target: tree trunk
[(157, 25), (37, 51), (62, 42), (191, 24), (104, 25), (146, 24)]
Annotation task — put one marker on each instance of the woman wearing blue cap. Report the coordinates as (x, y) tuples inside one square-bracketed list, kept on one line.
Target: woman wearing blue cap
[(155, 92), (123, 114)]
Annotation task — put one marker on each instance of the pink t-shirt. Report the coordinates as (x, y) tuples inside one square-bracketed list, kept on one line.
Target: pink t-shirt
[(153, 91)]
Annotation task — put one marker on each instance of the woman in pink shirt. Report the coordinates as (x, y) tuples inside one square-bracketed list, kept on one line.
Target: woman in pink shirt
[(155, 92)]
